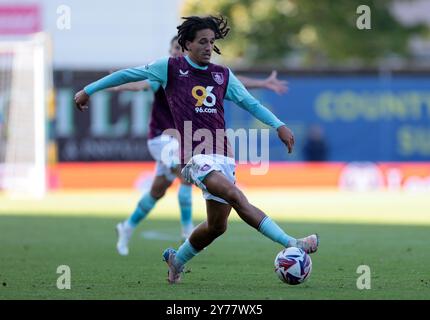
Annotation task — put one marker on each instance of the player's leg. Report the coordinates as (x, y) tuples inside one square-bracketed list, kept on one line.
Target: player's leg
[(146, 203), (213, 227), (185, 206), (162, 150), (203, 235), (168, 153), (220, 186), (149, 199)]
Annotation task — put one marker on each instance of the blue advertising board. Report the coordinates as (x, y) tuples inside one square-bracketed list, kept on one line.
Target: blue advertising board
[(362, 117)]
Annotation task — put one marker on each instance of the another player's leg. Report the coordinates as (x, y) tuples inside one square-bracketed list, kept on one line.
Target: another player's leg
[(185, 206), (166, 149), (218, 185), (146, 203), (203, 235)]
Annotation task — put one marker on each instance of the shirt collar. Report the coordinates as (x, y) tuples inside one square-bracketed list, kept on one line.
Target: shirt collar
[(195, 65)]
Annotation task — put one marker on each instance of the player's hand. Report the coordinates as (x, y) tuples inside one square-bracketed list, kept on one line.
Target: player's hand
[(287, 137), (273, 83), (81, 100)]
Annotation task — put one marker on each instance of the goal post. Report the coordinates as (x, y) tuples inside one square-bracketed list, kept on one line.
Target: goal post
[(25, 87)]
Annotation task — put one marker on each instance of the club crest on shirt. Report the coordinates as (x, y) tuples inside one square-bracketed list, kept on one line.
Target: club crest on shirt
[(206, 167), (218, 77)]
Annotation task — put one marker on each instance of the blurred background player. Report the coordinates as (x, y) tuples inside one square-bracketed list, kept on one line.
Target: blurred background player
[(164, 149), (213, 172)]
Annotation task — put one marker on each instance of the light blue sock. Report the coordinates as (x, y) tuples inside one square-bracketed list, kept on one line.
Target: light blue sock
[(184, 197), (144, 206), (185, 253), (271, 230)]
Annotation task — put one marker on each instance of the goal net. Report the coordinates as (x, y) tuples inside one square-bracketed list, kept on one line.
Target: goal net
[(25, 85)]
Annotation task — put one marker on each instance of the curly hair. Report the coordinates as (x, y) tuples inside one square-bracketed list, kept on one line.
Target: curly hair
[(188, 29)]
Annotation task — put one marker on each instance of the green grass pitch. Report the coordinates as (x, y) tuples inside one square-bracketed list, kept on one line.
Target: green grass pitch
[(238, 265)]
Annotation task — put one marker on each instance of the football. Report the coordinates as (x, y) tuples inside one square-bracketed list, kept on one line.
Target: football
[(293, 265)]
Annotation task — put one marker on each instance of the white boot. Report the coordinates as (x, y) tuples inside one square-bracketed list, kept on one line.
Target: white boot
[(124, 232)]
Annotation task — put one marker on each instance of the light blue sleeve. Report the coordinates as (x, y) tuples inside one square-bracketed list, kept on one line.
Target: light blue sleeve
[(155, 85), (155, 71), (237, 93)]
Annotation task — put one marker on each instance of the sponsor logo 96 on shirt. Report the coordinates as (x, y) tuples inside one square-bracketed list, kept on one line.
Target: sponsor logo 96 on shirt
[(205, 99)]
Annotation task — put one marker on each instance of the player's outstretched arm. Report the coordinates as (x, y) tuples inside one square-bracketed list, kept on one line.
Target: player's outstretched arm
[(271, 83), (156, 71), (132, 86), (113, 80)]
